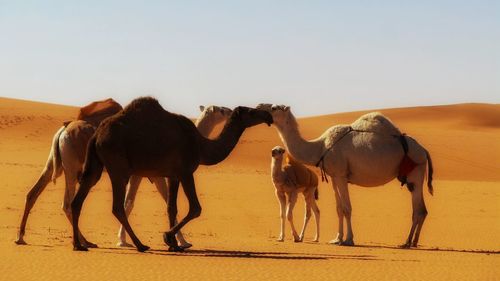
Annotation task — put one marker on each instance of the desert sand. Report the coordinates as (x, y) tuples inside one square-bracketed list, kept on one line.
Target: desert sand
[(235, 237)]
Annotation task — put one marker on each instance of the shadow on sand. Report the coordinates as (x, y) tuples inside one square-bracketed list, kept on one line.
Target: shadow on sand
[(435, 249), (211, 253), (242, 254)]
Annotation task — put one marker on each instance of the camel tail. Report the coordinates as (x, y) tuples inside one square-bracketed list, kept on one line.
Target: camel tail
[(92, 169), (429, 173), (55, 153), (316, 193)]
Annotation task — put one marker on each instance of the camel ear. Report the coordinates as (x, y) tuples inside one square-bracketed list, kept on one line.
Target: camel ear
[(202, 108), (287, 108)]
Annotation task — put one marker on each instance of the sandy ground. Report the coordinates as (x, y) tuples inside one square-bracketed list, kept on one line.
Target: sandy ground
[(234, 239)]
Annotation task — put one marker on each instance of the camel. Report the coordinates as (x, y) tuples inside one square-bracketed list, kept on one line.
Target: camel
[(146, 140), (370, 152), (210, 117), (68, 154), (289, 181)]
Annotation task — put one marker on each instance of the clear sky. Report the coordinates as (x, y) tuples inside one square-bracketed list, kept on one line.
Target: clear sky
[(317, 56)]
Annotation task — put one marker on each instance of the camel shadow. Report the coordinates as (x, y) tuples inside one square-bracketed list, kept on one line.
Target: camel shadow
[(211, 253), (435, 249)]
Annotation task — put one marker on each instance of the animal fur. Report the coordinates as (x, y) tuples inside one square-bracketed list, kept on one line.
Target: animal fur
[(289, 180)]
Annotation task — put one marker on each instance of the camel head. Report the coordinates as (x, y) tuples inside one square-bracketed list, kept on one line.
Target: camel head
[(217, 113), (249, 117), (281, 113), (277, 152)]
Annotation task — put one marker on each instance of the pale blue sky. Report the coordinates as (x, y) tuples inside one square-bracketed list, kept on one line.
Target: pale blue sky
[(317, 56)]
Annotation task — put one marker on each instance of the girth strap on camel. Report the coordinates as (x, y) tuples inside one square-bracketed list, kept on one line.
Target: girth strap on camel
[(321, 161), (407, 165)]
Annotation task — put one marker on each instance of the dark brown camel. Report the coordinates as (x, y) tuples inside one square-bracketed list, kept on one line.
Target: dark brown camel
[(146, 140)]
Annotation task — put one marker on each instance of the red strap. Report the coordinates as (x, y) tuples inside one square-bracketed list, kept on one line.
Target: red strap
[(406, 166)]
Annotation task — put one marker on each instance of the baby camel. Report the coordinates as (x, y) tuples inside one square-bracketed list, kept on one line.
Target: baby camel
[(290, 180)]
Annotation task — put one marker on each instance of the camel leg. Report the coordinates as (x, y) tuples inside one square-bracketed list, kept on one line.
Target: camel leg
[(340, 234), (170, 241), (76, 207), (342, 186), (307, 216), (119, 183), (162, 187), (194, 211), (292, 199), (173, 186), (31, 198), (132, 188), (282, 200), (40, 185), (316, 217), (69, 194), (418, 205)]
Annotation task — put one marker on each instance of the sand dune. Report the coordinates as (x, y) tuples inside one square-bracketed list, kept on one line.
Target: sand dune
[(235, 236)]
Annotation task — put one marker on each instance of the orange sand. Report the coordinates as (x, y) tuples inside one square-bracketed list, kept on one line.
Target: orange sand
[(235, 237)]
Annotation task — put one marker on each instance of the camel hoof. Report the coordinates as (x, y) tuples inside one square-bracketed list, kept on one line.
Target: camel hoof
[(316, 240), (297, 240), (186, 245), (80, 248), (90, 245), (142, 248), (169, 239), (124, 244), (404, 246), (336, 241), (20, 242), (347, 243), (280, 239), (176, 249)]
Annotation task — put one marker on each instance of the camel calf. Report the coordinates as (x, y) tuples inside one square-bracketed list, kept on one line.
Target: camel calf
[(290, 180)]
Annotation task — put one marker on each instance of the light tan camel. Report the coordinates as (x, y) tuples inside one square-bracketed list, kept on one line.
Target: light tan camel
[(210, 117), (370, 152), (289, 181), (68, 154), (146, 140)]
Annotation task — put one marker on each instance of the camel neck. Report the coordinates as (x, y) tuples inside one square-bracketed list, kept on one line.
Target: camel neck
[(308, 152), (214, 151), (277, 173), (205, 125)]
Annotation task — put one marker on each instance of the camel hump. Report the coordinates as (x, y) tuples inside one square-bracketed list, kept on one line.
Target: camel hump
[(376, 122), (143, 104), (97, 111)]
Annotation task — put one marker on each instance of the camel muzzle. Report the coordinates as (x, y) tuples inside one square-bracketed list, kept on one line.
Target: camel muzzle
[(269, 120)]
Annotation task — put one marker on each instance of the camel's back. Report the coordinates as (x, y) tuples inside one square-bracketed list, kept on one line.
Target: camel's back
[(377, 123), (97, 111), (146, 115), (144, 120), (151, 135)]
